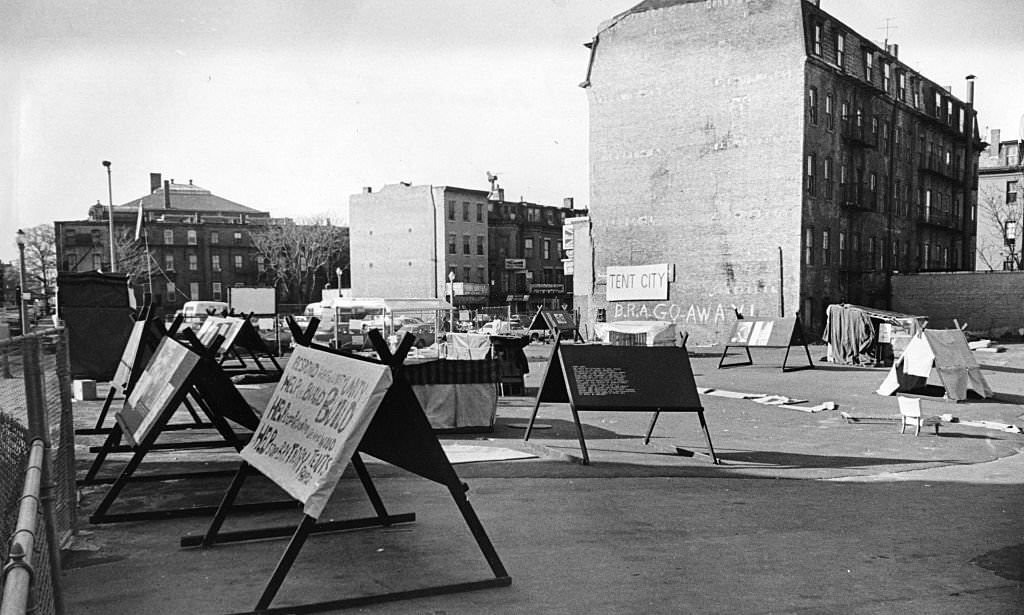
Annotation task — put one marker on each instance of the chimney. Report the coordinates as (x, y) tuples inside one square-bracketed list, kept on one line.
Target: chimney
[(895, 50), (501, 194), (970, 90), (995, 139), (167, 194), (154, 182), (567, 202), (367, 190)]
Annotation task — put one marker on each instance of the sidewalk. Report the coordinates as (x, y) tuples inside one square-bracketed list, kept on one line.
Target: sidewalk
[(807, 513)]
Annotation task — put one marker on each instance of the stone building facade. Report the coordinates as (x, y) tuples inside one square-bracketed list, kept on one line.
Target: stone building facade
[(1000, 202)]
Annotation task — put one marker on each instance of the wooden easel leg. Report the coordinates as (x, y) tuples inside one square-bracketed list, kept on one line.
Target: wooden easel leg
[(113, 439), (579, 433), (192, 411), (707, 437), (650, 428), (533, 417), (477, 528), (808, 352), (225, 505), (122, 480), (371, 490), (106, 407), (785, 358), (286, 561)]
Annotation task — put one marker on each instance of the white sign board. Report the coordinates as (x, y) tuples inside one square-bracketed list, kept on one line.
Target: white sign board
[(638, 283), (261, 301), (164, 376), (227, 326), (314, 421)]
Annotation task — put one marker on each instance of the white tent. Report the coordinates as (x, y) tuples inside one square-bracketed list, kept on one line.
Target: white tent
[(944, 349)]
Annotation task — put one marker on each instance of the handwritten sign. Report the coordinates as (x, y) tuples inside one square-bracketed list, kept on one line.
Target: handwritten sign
[(763, 332), (629, 378), (166, 374), (129, 355), (638, 283), (314, 421), (228, 327)]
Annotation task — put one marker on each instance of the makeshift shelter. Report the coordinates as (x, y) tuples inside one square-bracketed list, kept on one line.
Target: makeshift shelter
[(857, 335), (944, 349)]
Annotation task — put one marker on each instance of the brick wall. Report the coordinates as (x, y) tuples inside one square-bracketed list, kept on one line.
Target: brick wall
[(991, 303), (696, 115)]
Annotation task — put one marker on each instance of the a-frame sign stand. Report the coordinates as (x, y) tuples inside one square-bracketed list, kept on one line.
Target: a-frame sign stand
[(399, 433), (620, 378), (216, 396), (765, 332)]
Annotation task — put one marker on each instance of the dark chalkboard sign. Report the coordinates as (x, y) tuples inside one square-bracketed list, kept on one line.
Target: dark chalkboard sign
[(560, 323), (595, 377), (766, 332)]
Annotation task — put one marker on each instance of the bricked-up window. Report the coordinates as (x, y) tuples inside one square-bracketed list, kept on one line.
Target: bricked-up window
[(465, 244), (841, 49), (168, 236), (842, 249), (869, 65), (812, 162), (1011, 191), (816, 42), (827, 177), (451, 210), (168, 262), (812, 105), (479, 244), (193, 262), (830, 113), (451, 243), (809, 245), (826, 247)]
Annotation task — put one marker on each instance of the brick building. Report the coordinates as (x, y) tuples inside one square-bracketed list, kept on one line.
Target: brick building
[(406, 240), (774, 159), (1000, 187), (199, 242)]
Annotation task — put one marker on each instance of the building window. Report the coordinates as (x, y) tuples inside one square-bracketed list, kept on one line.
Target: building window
[(873, 188), (97, 263), (451, 210), (193, 262), (812, 161), (466, 271), (827, 177), (872, 251), (262, 264), (897, 138), (869, 65), (215, 262), (217, 290), (546, 249), (856, 249), (237, 237), (451, 243), (1011, 191), (465, 211), (191, 238), (238, 262), (816, 48), (901, 86), (886, 76), (842, 248), (830, 119), (812, 105), (528, 247), (938, 104), (809, 245), (479, 212), (168, 262), (214, 237), (844, 111), (894, 259), (481, 274), (172, 292), (480, 244), (465, 244), (193, 290), (885, 137), (841, 49), (826, 247), (168, 236)]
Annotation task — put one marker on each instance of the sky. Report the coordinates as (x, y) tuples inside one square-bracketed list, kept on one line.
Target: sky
[(292, 106)]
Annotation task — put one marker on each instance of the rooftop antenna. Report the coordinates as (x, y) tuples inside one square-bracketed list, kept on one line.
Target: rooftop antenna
[(888, 27)]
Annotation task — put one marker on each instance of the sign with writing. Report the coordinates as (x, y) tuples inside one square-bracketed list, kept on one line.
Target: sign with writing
[(640, 282), (226, 326), (764, 332), (165, 376), (123, 374), (629, 377), (314, 421), (515, 263)]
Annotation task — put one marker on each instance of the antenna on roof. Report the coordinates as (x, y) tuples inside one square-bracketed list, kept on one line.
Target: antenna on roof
[(888, 27)]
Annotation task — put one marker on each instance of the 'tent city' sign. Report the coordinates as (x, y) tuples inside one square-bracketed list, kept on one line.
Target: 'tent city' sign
[(638, 283)]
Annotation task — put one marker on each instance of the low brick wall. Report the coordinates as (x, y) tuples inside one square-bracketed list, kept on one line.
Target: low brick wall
[(991, 303)]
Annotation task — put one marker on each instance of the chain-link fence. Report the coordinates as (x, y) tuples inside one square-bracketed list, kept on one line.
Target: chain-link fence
[(37, 500)]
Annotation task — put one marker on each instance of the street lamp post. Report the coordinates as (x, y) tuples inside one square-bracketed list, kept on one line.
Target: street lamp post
[(22, 315), (451, 302), (337, 270), (110, 217)]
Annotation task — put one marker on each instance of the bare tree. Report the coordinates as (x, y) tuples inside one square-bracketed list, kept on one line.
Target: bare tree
[(299, 256), (999, 226), (41, 263), (132, 258)]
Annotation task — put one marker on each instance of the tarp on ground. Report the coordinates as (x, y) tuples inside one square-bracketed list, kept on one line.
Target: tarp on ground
[(947, 351), (852, 331)]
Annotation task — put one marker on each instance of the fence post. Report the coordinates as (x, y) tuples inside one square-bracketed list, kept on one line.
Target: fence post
[(39, 428)]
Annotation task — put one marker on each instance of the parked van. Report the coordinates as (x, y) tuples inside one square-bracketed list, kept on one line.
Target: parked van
[(197, 311)]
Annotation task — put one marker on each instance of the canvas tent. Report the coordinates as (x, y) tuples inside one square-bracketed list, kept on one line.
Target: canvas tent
[(944, 349), (646, 332), (857, 335)]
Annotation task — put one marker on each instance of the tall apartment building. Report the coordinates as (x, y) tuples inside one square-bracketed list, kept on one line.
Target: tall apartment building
[(199, 242), (773, 158), (410, 241), (1000, 199)]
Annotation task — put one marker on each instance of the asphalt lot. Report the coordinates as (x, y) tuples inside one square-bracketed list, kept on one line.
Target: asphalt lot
[(807, 513)]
